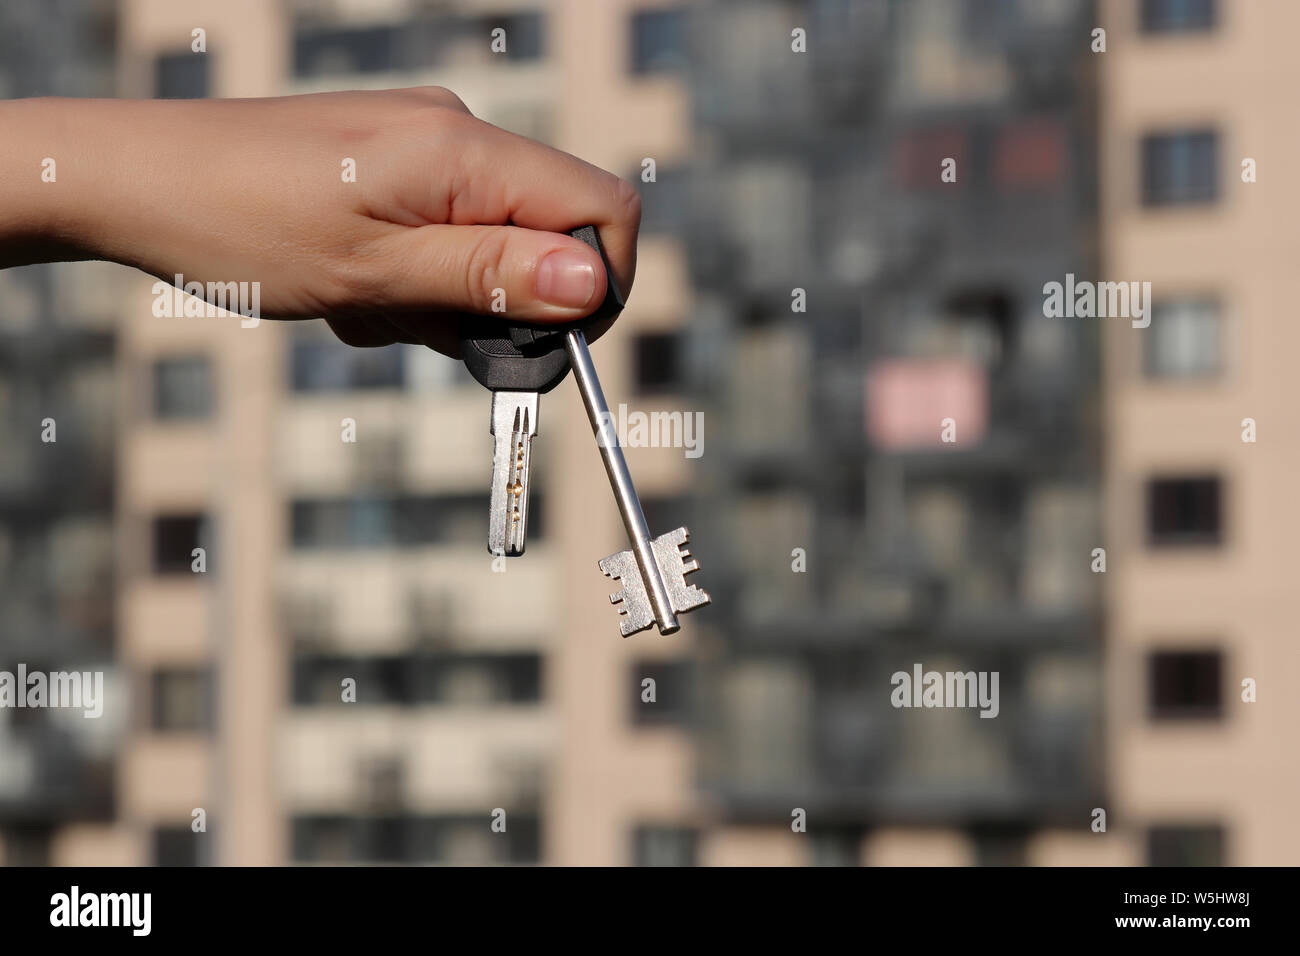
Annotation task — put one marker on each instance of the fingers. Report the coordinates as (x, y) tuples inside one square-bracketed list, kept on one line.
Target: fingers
[(502, 271), (493, 177), (364, 331), (538, 187), (433, 330)]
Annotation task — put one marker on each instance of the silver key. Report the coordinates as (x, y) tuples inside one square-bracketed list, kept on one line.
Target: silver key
[(674, 564), (514, 423), (653, 571)]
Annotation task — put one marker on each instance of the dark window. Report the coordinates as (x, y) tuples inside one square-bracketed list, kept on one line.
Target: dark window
[(657, 361), (322, 840), (836, 846), (25, 845), (181, 700), (1180, 168), (673, 690), (1186, 685), (658, 40), (983, 319), (479, 679), (404, 521), (181, 76), (416, 44), (998, 846), (320, 52), (1184, 340), (174, 539), (453, 679), (470, 841), (318, 680), (663, 202), (1185, 846), (176, 846), (182, 388), (1177, 16), (326, 365), (410, 839), (1184, 511), (663, 846), (524, 34), (663, 514)]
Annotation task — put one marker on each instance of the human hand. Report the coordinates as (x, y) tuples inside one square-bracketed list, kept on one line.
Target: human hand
[(445, 210)]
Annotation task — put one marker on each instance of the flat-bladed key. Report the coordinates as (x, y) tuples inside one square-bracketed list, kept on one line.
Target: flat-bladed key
[(519, 363), (514, 423), (505, 360)]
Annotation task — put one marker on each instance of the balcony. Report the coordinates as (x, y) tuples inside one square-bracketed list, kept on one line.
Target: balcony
[(45, 776), (829, 740), (448, 757), (755, 82)]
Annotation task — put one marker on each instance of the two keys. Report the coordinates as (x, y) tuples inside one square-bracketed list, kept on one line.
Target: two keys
[(518, 364)]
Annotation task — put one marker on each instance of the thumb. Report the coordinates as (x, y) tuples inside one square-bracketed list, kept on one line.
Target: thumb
[(494, 270)]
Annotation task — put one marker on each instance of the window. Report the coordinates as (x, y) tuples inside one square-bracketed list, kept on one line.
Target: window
[(322, 52), (1177, 16), (663, 846), (174, 539), (672, 693), (1184, 511), (415, 680), (399, 521), (1184, 340), (998, 846), (181, 76), (400, 838), (416, 44), (176, 846), (326, 365), (318, 680), (180, 700), (1180, 168), (480, 679), (1186, 685), (663, 513), (658, 41), (836, 846), (656, 359), (25, 844), (182, 388), (524, 34), (1185, 845)]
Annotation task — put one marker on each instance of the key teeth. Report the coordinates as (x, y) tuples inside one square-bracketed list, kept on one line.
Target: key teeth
[(633, 604)]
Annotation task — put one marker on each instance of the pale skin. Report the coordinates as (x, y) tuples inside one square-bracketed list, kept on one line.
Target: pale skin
[(446, 209)]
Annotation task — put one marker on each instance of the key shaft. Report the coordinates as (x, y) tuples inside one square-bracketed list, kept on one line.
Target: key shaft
[(514, 423), (620, 479)]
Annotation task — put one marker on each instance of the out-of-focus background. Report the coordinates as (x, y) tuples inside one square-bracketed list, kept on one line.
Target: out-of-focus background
[(840, 538)]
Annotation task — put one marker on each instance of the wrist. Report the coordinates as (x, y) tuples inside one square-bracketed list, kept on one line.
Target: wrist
[(60, 179)]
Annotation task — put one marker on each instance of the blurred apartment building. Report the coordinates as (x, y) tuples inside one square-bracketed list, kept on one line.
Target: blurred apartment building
[(57, 475), (325, 559), (775, 171), (981, 554), (1201, 525), (824, 177)]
